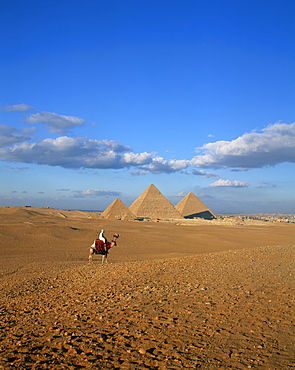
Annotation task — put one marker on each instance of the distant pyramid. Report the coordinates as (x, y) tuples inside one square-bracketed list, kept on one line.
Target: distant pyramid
[(191, 206), (152, 204), (118, 210)]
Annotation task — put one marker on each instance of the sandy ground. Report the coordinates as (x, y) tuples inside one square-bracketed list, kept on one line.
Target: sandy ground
[(205, 295)]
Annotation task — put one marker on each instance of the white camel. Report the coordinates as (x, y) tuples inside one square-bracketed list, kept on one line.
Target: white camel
[(102, 247)]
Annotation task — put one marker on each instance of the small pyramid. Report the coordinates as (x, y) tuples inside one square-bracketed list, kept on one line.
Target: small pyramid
[(118, 210), (152, 204), (191, 206)]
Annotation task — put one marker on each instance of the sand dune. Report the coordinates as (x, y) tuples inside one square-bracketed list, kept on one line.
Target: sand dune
[(202, 295)]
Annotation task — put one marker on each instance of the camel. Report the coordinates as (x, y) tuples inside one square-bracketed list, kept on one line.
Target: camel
[(99, 247)]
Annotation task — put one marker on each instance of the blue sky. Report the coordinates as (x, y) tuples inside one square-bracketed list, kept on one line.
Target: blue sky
[(99, 99)]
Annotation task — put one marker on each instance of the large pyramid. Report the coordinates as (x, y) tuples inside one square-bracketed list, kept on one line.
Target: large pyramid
[(118, 210), (191, 206), (152, 204)]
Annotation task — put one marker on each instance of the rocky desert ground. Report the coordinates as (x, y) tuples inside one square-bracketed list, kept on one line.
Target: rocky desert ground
[(174, 295)]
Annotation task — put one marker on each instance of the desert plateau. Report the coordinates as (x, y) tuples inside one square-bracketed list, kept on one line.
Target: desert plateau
[(175, 294)]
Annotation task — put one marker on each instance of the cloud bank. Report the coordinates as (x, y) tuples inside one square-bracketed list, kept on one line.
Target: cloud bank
[(76, 153), (273, 145)]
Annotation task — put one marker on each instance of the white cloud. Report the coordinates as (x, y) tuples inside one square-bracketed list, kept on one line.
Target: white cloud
[(209, 175), (17, 108), (136, 158), (205, 195), (228, 183), (275, 144), (180, 194), (265, 184), (10, 135), (160, 165), (96, 193), (56, 123), (139, 172)]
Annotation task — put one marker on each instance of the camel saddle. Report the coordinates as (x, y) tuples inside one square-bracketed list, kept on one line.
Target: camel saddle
[(100, 246)]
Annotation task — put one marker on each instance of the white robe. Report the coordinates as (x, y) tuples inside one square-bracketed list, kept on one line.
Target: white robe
[(101, 236)]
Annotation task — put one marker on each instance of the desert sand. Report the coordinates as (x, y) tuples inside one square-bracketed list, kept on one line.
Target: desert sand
[(174, 295)]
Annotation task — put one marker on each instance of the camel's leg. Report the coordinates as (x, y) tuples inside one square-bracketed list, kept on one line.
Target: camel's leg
[(90, 255), (104, 259)]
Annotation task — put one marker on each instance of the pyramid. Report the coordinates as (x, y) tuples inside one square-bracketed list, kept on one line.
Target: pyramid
[(152, 204), (118, 210), (191, 206)]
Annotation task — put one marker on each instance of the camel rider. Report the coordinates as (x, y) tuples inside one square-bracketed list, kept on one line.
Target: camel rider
[(101, 236)]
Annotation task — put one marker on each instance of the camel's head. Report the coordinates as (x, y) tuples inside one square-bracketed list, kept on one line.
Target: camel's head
[(115, 237)]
